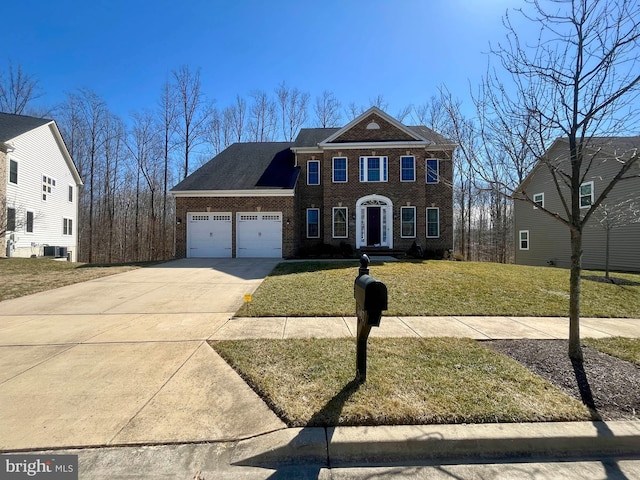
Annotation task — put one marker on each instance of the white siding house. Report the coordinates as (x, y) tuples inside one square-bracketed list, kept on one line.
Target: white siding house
[(38, 189)]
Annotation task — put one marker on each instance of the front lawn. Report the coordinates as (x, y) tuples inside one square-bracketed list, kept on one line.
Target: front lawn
[(442, 288), (309, 382)]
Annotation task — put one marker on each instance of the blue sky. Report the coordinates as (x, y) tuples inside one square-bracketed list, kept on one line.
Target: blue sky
[(125, 50)]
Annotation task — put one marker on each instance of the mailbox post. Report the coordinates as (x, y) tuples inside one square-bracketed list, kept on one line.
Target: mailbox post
[(371, 300)]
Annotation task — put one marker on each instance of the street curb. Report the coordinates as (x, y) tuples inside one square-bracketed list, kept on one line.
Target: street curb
[(384, 445)]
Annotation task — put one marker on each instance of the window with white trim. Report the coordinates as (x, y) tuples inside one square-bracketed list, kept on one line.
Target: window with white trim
[(538, 199), (313, 223), (29, 222), (586, 195), (339, 169), (67, 226), (408, 222), (13, 172), (433, 222), (407, 168), (11, 219), (340, 217), (373, 169), (71, 193), (48, 184), (313, 172), (523, 239), (433, 170)]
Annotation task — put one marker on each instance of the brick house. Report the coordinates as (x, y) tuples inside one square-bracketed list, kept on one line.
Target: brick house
[(374, 184)]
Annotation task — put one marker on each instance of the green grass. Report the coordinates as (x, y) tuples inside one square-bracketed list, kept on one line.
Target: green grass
[(441, 288), (625, 348), (409, 382), (24, 276)]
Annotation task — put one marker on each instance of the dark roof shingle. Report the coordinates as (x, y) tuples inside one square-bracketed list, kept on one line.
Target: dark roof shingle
[(12, 125)]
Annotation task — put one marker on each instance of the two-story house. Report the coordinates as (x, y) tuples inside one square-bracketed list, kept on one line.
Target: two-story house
[(373, 184), (543, 240), (38, 189)]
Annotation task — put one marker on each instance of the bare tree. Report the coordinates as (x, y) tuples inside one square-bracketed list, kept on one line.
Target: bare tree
[(262, 121), (582, 80), (17, 90), (293, 110), (327, 110), (193, 112), (613, 216), (236, 117), (167, 118)]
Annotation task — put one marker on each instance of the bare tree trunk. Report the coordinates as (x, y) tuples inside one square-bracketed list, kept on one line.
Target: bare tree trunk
[(575, 349)]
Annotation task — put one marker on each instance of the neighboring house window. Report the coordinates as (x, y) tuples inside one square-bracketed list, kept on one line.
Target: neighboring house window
[(67, 226), (433, 174), (340, 222), (433, 222), (407, 169), (47, 186), (71, 193), (13, 171), (29, 222), (408, 227), (313, 223), (340, 169), (313, 172), (538, 199), (373, 169), (586, 195), (11, 219), (524, 239)]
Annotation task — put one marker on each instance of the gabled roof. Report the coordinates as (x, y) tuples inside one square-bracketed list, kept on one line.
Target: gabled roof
[(267, 166), (12, 126)]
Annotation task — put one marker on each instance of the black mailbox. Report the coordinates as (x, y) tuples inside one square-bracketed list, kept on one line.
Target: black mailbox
[(371, 297)]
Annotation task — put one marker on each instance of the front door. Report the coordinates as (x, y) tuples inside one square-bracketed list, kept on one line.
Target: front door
[(373, 226)]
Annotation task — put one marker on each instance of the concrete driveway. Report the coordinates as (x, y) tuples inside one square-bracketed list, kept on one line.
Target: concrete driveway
[(124, 359)]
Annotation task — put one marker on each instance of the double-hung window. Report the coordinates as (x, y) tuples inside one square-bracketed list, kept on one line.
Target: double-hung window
[(313, 223), (67, 226), (407, 169), (340, 222), (433, 222), (71, 193), (523, 239), (339, 169), (373, 169), (408, 227), (13, 172), (433, 172), (29, 222), (11, 219), (586, 195), (313, 172), (538, 199)]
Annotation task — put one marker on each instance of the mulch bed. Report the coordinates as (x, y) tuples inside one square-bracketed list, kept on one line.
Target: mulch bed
[(609, 386)]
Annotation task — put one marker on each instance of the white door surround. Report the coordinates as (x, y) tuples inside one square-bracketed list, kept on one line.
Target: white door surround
[(374, 221)]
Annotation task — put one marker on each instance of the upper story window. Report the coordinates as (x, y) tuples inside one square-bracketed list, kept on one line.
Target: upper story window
[(71, 193), (407, 169), (408, 227), (373, 169), (433, 222), (586, 195), (538, 199), (340, 169), (313, 172), (340, 222), (48, 184), (313, 223), (433, 170), (13, 171)]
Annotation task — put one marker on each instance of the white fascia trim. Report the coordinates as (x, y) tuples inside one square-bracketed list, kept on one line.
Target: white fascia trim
[(374, 146), (234, 193), (306, 150)]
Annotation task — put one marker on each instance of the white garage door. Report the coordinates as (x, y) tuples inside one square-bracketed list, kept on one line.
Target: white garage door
[(209, 235), (259, 234)]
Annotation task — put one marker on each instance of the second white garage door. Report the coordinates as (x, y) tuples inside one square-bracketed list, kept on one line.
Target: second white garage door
[(209, 235), (259, 234)]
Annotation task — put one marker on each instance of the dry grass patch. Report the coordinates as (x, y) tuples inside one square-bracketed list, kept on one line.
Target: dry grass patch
[(625, 348), (309, 382)]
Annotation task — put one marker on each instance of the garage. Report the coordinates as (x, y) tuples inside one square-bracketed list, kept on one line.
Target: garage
[(209, 235), (259, 234)]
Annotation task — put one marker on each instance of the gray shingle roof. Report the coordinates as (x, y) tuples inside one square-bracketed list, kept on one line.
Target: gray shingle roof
[(245, 166), (12, 125), (430, 135), (310, 137)]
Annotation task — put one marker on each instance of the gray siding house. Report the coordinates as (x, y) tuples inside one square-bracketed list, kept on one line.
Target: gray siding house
[(542, 240)]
